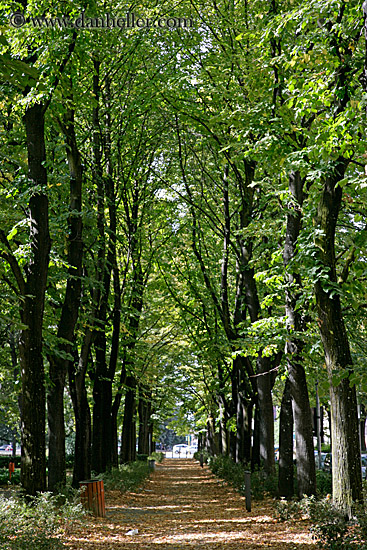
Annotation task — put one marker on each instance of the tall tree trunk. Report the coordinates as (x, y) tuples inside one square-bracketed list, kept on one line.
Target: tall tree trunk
[(83, 423), (102, 397), (225, 413), (33, 460), (255, 455), (103, 438), (306, 471), (346, 464), (212, 436), (128, 439), (224, 416), (13, 343), (144, 411), (362, 428), (286, 470), (264, 388), (69, 313)]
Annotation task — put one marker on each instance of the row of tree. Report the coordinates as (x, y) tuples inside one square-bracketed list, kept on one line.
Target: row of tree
[(184, 214)]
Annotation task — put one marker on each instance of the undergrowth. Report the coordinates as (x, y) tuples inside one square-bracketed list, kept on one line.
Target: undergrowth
[(37, 524), (330, 527), (157, 456), (4, 477), (234, 474), (126, 477)]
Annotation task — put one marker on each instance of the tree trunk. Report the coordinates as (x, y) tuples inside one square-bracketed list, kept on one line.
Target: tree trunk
[(128, 439), (223, 431), (346, 465), (255, 455), (212, 436), (145, 411), (265, 382), (240, 427), (102, 398), (69, 314), (105, 370), (225, 412), (305, 456), (83, 430), (33, 461), (286, 470), (306, 471), (13, 343), (362, 429)]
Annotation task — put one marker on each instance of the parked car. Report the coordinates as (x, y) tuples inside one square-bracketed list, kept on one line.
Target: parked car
[(323, 458), (326, 465), (180, 449), (6, 448)]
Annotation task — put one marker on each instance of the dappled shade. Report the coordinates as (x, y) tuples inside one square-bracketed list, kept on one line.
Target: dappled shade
[(184, 506)]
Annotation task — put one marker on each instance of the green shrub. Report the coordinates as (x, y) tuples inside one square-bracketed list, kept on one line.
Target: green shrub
[(205, 454), (323, 483), (287, 509), (225, 468), (35, 525), (234, 473), (157, 456), (263, 484), (4, 477), (330, 525), (126, 477), (141, 457), (4, 461), (69, 460)]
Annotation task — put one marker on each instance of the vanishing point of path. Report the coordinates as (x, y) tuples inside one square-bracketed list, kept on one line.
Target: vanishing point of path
[(183, 506)]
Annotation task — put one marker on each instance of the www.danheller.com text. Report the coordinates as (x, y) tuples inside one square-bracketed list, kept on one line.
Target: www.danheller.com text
[(128, 21)]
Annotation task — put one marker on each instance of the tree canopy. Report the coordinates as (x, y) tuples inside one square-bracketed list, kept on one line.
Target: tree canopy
[(183, 210)]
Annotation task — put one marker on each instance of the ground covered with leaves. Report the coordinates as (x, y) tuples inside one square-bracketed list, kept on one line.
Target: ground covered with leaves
[(184, 506)]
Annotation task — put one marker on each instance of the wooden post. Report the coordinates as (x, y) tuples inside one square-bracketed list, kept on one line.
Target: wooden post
[(92, 496), (201, 460), (248, 490), (11, 469)]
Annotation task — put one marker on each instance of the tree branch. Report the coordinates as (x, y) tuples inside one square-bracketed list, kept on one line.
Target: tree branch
[(13, 262)]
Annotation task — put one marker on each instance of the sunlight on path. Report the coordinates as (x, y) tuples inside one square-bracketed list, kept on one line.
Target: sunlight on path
[(184, 506)]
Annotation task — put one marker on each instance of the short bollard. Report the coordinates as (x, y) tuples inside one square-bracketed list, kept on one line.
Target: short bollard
[(152, 464), (11, 469), (248, 490), (201, 460), (92, 496)]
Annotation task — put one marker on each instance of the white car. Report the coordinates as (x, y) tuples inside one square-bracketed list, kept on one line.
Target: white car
[(180, 449)]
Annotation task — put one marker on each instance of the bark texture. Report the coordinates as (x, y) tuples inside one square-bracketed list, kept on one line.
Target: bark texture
[(33, 460), (286, 470), (346, 466), (306, 471), (128, 439), (69, 314)]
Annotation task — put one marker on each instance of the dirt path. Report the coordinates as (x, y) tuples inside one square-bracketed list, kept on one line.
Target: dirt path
[(184, 506)]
